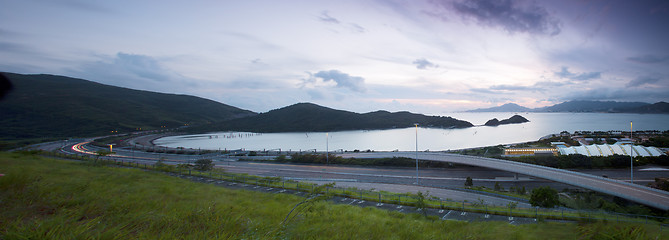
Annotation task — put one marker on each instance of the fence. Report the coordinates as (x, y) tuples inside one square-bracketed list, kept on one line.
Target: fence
[(406, 199)]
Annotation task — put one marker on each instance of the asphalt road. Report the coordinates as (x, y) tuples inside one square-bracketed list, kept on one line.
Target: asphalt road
[(633, 192)]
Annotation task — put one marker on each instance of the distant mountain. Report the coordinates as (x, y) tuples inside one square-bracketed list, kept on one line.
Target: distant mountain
[(57, 106), (509, 107), (585, 106), (512, 120), (658, 107), (591, 106), (308, 117)]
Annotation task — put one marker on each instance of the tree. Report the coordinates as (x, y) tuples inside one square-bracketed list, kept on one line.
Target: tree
[(204, 165), (546, 197), (498, 187), (469, 182)]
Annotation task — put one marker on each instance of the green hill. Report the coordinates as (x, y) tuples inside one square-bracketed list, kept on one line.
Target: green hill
[(310, 117), (42, 106)]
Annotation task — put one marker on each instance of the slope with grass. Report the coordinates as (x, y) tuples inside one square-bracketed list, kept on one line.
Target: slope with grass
[(45, 198), (56, 106)]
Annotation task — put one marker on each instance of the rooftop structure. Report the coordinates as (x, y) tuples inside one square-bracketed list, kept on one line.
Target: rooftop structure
[(610, 150)]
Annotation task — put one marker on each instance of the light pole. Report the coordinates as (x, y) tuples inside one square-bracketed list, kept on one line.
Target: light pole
[(416, 153), (631, 153), (327, 157)]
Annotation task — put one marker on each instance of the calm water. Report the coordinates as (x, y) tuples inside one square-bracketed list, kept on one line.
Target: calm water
[(541, 124)]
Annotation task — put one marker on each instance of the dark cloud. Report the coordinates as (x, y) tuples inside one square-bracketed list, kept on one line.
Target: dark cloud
[(564, 73), (343, 80), (424, 64), (642, 81), (648, 59), (618, 94), (325, 17), (509, 16)]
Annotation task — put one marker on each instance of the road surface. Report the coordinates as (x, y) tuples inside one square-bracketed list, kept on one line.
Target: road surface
[(636, 193)]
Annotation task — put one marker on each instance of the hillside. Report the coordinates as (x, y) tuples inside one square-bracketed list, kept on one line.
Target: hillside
[(659, 107), (512, 120), (57, 106), (591, 106), (310, 117)]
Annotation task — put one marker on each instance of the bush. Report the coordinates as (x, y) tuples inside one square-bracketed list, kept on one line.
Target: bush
[(204, 165), (469, 182), (545, 197)]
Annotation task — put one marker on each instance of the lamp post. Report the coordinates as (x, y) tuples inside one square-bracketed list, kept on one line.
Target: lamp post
[(327, 157), (416, 153), (631, 157)]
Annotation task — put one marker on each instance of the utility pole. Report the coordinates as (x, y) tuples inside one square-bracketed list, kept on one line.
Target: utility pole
[(416, 153), (631, 155)]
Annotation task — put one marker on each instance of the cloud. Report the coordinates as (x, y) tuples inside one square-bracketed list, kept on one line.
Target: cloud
[(342, 80), (509, 16), (506, 89), (514, 88), (648, 59), (424, 64), (357, 28), (324, 17), (639, 81), (353, 27), (564, 73), (132, 71)]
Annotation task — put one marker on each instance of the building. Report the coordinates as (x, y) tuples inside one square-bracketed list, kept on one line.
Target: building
[(530, 151), (604, 150)]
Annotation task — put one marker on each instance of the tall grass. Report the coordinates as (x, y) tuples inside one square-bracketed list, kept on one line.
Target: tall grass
[(43, 198)]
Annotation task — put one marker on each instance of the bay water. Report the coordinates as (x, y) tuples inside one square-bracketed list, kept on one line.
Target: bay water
[(433, 139)]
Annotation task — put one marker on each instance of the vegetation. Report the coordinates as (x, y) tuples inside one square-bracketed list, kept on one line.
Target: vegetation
[(53, 199), (582, 161), (307, 117), (658, 140), (333, 159), (204, 165), (469, 182), (545, 197), (512, 120), (55, 106)]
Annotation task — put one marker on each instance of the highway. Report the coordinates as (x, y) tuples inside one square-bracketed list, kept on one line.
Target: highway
[(633, 192), (636, 193)]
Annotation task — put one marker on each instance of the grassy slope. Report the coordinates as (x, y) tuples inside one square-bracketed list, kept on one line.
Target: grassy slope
[(57, 106), (53, 199)]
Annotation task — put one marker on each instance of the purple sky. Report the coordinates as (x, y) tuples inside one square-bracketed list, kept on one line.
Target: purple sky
[(432, 56)]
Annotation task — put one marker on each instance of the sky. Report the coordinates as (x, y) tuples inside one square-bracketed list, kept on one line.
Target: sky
[(423, 56)]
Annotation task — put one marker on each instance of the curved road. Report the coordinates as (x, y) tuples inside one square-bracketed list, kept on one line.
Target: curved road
[(637, 193)]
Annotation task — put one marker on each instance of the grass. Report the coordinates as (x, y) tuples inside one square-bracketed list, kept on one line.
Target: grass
[(45, 198)]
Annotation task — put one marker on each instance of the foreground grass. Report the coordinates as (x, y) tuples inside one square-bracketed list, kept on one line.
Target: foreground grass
[(43, 198)]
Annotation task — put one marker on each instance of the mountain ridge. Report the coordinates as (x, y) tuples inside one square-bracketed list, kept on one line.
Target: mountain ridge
[(585, 106), (310, 117), (43, 105)]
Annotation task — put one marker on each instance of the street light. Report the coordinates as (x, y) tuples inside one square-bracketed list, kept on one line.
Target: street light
[(416, 152), (631, 153), (327, 158)]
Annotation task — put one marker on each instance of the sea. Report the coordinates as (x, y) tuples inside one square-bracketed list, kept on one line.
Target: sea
[(424, 138)]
